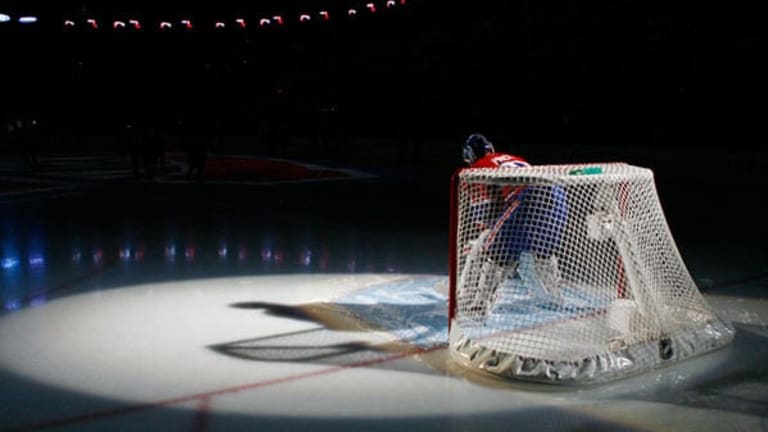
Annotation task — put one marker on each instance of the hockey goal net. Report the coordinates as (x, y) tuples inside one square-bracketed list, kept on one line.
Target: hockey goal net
[(570, 274)]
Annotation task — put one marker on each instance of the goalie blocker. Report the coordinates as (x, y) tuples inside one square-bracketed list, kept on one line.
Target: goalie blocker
[(586, 286)]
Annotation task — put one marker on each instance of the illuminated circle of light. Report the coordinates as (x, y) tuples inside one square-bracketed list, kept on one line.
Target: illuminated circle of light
[(304, 18), (4, 18), (165, 25), (140, 328), (148, 343), (264, 22)]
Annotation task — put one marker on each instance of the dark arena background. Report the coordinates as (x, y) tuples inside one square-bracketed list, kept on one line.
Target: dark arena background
[(234, 216), (608, 73)]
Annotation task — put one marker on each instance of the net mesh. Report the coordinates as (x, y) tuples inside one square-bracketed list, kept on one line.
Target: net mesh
[(569, 273)]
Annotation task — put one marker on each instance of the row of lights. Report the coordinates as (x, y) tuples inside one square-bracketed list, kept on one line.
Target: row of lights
[(305, 257), (242, 23)]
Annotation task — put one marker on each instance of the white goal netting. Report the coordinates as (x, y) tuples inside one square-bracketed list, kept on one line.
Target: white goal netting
[(570, 274)]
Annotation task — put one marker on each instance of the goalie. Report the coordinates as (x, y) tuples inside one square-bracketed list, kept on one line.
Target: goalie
[(519, 226)]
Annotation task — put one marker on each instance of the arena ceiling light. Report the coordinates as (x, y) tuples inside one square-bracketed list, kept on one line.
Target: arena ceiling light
[(240, 22), (4, 18)]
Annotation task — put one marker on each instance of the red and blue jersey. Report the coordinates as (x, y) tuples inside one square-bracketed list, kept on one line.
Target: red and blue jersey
[(513, 230), (481, 195)]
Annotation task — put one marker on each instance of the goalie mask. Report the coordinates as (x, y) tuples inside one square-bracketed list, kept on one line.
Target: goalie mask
[(475, 147)]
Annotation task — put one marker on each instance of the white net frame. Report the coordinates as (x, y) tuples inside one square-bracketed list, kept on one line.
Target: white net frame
[(570, 274)]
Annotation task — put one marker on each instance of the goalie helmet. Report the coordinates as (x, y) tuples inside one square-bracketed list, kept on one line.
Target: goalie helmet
[(475, 147)]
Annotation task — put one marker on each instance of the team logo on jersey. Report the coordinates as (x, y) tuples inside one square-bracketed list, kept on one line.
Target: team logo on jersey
[(508, 161)]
